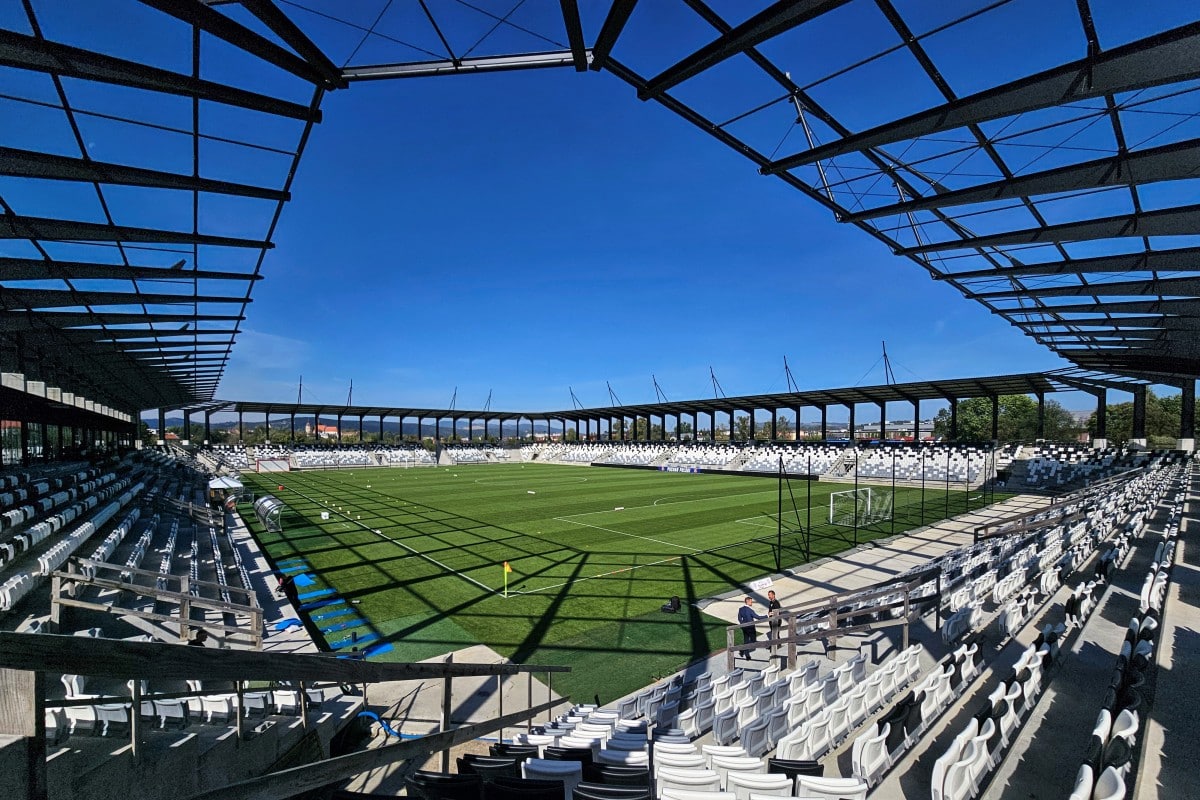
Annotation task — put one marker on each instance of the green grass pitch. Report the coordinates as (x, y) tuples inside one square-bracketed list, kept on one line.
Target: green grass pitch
[(594, 553)]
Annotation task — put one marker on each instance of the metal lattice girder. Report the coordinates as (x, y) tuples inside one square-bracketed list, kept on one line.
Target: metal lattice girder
[(1181, 259), (462, 66), (1190, 306), (29, 52), (780, 17), (1175, 287), (133, 337), (36, 269), (270, 15), (65, 298), (1120, 324), (206, 19), (1182, 221), (1174, 161), (610, 31), (13, 226), (42, 320), (1116, 336), (32, 164), (1168, 57)]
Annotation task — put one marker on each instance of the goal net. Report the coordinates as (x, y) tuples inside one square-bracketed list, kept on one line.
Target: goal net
[(272, 465), (864, 506)]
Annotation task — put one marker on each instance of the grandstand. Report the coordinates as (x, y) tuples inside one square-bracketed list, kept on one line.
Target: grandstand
[(1012, 619)]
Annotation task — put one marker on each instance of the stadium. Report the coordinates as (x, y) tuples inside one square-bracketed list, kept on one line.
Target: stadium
[(974, 581)]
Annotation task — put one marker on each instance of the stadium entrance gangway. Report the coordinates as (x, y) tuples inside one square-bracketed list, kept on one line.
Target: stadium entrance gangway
[(26, 659)]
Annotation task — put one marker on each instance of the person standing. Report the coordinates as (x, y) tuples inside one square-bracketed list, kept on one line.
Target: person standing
[(774, 620), (747, 615)]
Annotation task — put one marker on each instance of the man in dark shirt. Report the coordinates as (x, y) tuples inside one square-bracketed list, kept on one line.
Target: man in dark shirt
[(774, 620), (745, 615)]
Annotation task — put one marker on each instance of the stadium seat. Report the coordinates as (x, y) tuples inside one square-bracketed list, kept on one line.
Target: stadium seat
[(444, 786), (812, 787), (688, 779), (743, 783)]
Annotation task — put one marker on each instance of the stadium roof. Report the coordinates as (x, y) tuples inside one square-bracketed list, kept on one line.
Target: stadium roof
[(1058, 194), (993, 386)]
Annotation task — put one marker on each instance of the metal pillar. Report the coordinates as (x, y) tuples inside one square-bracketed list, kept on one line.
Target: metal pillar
[(1041, 417), (916, 421), (850, 432), (824, 424), (953, 418), (995, 417), (1187, 417), (1101, 439), (882, 420)]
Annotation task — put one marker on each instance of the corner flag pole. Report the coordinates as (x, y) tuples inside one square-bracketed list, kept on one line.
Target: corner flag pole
[(507, 569)]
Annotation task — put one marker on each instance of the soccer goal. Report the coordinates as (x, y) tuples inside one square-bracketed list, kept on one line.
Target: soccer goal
[(863, 506), (272, 465)]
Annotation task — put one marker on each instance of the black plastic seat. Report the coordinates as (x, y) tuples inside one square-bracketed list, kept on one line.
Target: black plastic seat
[(582, 754), (444, 786), (518, 751), (793, 767), (602, 791), (523, 789), (489, 767), (616, 774)]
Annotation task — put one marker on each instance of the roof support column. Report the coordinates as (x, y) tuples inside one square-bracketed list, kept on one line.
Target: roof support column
[(953, 419), (1041, 415), (916, 421), (1100, 441), (883, 420), (1138, 435), (774, 424), (824, 423), (1187, 417), (995, 417), (207, 427), (360, 429), (292, 428), (241, 430), (850, 429)]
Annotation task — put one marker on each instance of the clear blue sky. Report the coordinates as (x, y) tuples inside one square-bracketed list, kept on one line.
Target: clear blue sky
[(526, 232)]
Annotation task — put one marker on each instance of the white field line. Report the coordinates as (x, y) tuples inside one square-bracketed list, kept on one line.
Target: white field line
[(414, 551), (623, 533), (593, 577), (659, 504)]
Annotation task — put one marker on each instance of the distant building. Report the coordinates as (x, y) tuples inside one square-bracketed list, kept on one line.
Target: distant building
[(323, 431)]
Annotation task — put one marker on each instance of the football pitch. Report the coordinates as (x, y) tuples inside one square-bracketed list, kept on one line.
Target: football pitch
[(418, 557)]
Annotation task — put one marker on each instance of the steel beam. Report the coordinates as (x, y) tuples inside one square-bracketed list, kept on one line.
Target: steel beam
[(29, 52), (1175, 161), (11, 298), (1183, 221), (570, 13), (283, 27), (1186, 287), (778, 18), (1188, 306), (32, 164), (464, 66), (198, 15), (130, 336), (41, 320), (1169, 57), (610, 31), (1180, 259), (13, 226), (36, 269)]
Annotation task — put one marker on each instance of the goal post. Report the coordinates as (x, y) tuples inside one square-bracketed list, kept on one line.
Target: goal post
[(272, 465), (863, 506)]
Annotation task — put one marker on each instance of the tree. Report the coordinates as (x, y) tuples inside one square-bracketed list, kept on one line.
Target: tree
[(1162, 420), (1017, 420), (683, 431), (742, 427), (783, 428)]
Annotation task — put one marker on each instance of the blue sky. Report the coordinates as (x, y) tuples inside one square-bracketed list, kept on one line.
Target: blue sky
[(525, 232)]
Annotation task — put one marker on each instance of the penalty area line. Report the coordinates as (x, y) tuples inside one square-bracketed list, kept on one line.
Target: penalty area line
[(623, 533), (608, 574)]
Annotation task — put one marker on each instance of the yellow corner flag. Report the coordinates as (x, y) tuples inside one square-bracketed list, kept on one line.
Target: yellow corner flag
[(507, 569)]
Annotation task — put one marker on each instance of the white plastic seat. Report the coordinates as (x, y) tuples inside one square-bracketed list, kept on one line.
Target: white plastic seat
[(755, 739), (1126, 725), (726, 765), (569, 772), (688, 779), (742, 784), (839, 720), (777, 727), (672, 793), (171, 713), (674, 748), (958, 777), (1083, 784), (627, 758), (819, 739), (725, 727), (1110, 785), (711, 751), (869, 756), (812, 787), (678, 761)]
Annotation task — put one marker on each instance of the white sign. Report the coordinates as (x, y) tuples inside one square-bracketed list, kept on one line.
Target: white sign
[(761, 584)]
